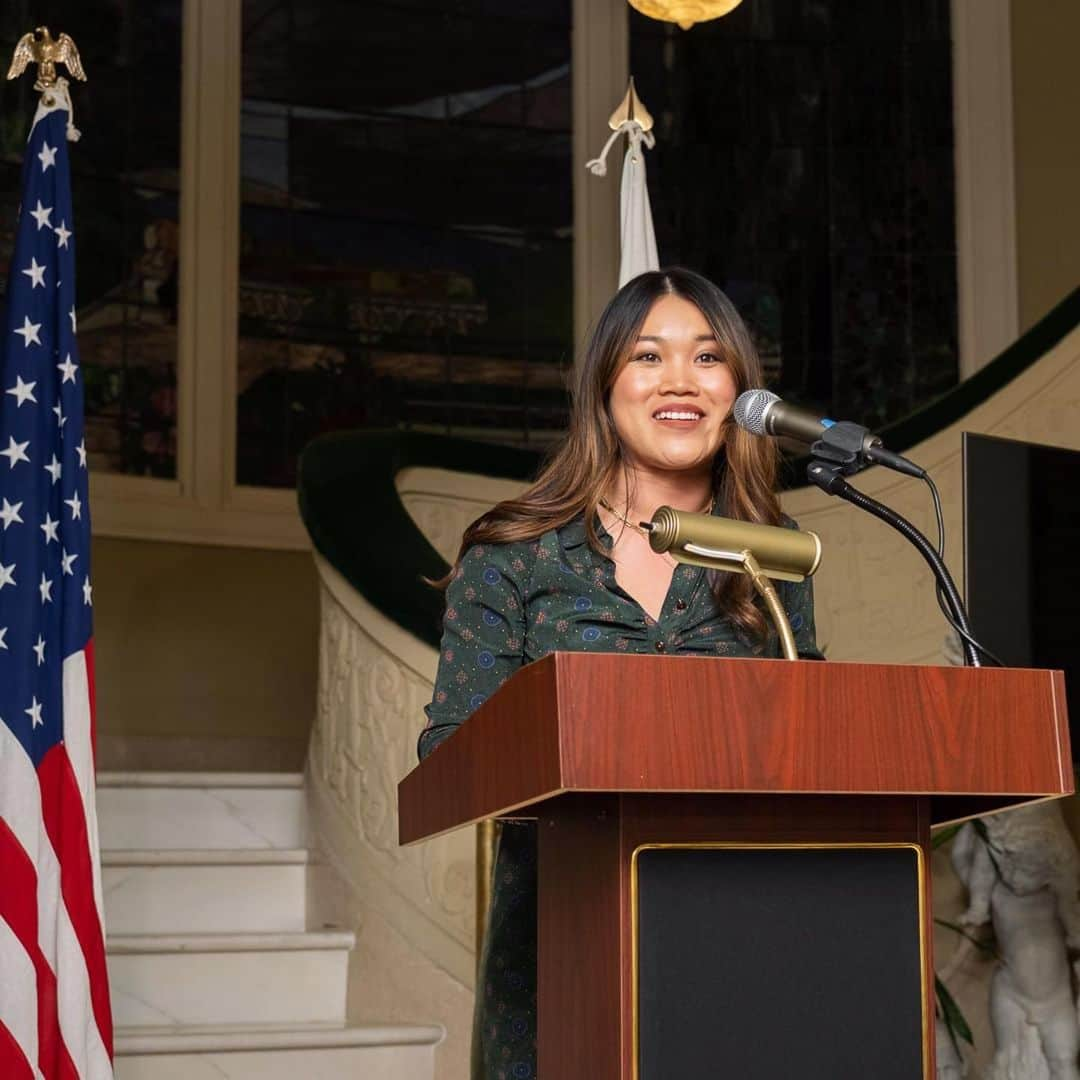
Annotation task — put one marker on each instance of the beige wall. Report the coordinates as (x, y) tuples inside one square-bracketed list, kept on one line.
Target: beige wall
[(1046, 96), (196, 640)]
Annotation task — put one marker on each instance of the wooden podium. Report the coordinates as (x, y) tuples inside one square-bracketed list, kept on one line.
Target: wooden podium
[(734, 854)]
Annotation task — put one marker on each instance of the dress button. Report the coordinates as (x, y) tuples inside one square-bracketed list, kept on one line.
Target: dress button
[(660, 646), (680, 605)]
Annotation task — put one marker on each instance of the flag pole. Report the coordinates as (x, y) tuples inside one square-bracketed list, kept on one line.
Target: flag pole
[(55, 1016), (637, 239)]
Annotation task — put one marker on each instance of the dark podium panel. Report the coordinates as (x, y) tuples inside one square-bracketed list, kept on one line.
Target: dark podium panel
[(731, 853), (769, 962)]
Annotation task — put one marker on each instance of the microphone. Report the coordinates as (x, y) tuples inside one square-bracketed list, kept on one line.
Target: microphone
[(762, 412), (721, 543)]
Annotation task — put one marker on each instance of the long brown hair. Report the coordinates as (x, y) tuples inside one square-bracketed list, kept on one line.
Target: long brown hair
[(587, 463)]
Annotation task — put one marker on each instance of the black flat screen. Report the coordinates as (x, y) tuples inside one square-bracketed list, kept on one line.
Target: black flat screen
[(1022, 555)]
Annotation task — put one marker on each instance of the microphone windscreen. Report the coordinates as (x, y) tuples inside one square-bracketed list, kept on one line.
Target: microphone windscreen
[(750, 408)]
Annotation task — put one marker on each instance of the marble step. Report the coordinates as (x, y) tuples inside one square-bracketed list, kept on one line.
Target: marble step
[(278, 1052), (204, 892), (184, 810), (182, 979)]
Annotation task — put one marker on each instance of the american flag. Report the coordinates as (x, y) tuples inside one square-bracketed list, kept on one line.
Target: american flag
[(55, 1019)]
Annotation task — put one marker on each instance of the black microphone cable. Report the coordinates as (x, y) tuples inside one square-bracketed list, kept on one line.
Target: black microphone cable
[(964, 634), (834, 484)]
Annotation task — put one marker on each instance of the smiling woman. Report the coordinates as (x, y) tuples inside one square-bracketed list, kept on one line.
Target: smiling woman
[(565, 567), (617, 452), (669, 403), (676, 383)]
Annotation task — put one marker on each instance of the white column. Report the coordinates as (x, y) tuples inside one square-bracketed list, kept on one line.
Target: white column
[(987, 297), (599, 64)]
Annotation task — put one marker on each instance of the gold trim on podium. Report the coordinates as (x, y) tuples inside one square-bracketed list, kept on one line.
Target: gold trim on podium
[(487, 841), (735, 845)]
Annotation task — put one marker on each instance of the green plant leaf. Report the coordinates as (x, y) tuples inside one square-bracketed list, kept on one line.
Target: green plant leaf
[(955, 1023), (985, 945), (943, 836)]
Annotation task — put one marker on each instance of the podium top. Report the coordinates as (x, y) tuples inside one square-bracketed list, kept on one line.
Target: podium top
[(973, 739)]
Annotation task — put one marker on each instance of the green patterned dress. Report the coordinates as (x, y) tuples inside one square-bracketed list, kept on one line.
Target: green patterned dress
[(511, 604)]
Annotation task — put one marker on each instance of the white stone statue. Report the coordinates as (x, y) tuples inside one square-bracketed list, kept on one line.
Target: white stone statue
[(1025, 878)]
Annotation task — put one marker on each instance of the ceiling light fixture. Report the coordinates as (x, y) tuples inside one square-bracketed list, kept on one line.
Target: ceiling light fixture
[(684, 12)]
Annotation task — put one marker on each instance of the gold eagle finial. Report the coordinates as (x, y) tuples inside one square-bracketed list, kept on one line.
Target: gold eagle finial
[(39, 47)]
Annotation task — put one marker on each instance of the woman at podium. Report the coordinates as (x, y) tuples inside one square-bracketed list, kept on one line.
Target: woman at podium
[(566, 566)]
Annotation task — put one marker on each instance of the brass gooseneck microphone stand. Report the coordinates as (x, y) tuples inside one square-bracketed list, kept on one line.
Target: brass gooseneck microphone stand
[(767, 591), (762, 552)]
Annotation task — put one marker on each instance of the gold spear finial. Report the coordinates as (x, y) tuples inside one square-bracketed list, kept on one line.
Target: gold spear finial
[(630, 108), (39, 47)]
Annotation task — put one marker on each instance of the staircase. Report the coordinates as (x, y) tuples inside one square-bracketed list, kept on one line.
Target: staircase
[(213, 967)]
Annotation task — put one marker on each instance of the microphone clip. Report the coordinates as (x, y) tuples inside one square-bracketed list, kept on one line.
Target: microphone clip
[(842, 447), (846, 448)]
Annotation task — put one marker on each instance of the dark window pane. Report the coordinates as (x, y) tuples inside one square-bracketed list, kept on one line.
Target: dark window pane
[(804, 161), (406, 230), (125, 183)]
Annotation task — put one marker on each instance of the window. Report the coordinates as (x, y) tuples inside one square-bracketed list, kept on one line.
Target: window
[(125, 185), (237, 296), (406, 231), (804, 161)]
